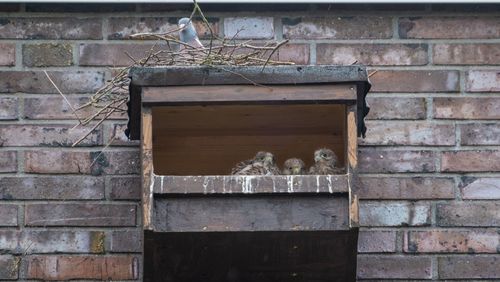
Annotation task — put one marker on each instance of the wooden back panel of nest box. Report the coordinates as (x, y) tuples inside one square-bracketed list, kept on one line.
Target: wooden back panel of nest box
[(210, 140)]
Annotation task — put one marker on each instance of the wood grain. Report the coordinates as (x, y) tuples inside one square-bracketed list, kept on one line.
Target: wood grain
[(352, 165), (147, 166)]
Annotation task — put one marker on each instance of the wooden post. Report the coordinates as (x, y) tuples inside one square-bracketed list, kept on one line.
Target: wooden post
[(352, 164), (147, 166)]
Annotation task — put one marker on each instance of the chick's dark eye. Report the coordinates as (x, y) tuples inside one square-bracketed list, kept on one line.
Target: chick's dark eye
[(323, 155)]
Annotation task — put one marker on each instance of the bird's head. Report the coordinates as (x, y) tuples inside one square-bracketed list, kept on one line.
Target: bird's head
[(265, 157), (325, 155), (293, 166)]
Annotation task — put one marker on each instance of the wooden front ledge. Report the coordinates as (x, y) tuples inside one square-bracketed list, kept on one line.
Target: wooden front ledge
[(249, 184)]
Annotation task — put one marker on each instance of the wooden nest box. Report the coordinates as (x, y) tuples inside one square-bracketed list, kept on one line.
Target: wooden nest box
[(196, 123)]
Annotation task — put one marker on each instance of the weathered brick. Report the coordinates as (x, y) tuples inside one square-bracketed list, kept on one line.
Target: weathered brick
[(447, 27), (79, 8), (55, 107), (9, 8), (47, 55), (387, 267), (108, 162), (113, 54), (103, 268), (89, 214), (129, 241), (482, 81), (37, 82), (394, 214), (396, 108), (466, 54), (373, 160), (470, 161), (377, 242), (8, 161), (487, 188), (8, 54), (50, 28), (467, 108), (47, 135), (116, 136), (455, 267), (409, 133), (337, 27), (297, 53), (8, 108), (125, 188), (480, 134), (44, 241), (473, 213), (451, 241), (8, 215), (51, 188), (372, 54), (9, 267), (406, 188), (415, 81), (249, 27), (122, 28)]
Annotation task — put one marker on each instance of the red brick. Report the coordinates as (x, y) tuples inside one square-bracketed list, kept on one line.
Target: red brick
[(469, 267), (415, 81), (55, 107), (47, 55), (47, 135), (9, 267), (8, 215), (51, 188), (50, 28), (337, 27), (8, 54), (470, 161), (449, 27), (393, 267), (249, 27), (125, 188), (409, 133), (122, 28), (377, 242), (297, 53), (474, 188), (8, 161), (104, 268), (405, 188), (474, 213), (114, 54), (467, 108), (90, 214), (483, 81), (37, 82), (372, 54), (129, 241), (466, 54), (45, 241), (8, 108), (396, 108), (394, 214), (380, 161), (451, 241), (480, 134), (109, 162)]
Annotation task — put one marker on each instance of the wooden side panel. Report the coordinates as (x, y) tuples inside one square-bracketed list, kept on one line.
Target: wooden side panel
[(147, 166), (251, 213), (352, 164), (253, 184), (248, 93)]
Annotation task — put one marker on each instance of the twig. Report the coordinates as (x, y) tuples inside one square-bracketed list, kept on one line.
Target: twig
[(64, 97)]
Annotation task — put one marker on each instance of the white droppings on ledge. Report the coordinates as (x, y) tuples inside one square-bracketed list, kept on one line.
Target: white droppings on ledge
[(330, 186), (289, 181), (247, 186), (317, 183), (205, 184), (274, 185), (161, 183)]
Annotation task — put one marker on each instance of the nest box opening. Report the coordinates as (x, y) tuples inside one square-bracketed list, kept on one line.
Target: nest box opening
[(211, 139)]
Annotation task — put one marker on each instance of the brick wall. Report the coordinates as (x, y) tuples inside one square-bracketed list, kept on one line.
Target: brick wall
[(430, 205)]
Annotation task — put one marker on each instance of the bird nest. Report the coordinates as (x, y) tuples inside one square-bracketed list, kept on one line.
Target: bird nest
[(169, 51)]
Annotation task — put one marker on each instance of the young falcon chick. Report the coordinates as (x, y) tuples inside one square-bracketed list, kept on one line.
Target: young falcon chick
[(188, 34), (294, 166), (325, 162), (262, 164)]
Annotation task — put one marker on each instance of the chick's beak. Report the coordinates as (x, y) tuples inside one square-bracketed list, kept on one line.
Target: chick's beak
[(317, 158), (181, 26), (296, 170), (269, 159)]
